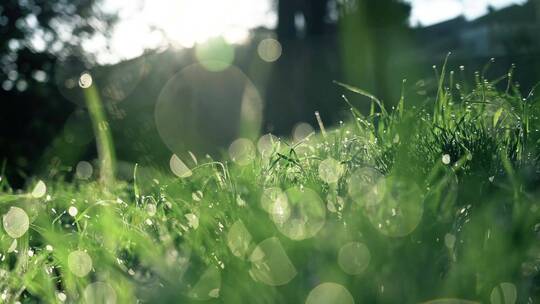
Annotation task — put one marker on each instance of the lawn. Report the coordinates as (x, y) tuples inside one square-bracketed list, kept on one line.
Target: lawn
[(432, 200)]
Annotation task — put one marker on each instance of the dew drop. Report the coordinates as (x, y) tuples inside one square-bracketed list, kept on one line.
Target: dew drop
[(446, 159), (193, 220), (85, 80), (40, 189), (72, 210)]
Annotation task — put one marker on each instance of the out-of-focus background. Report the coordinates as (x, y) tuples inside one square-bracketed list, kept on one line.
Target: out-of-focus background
[(180, 76)]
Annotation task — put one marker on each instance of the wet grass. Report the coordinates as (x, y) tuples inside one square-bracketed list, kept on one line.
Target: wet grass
[(434, 200)]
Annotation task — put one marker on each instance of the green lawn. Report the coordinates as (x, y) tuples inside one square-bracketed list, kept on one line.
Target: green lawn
[(434, 200)]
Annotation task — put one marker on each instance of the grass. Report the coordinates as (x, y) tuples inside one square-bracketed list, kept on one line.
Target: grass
[(432, 200)]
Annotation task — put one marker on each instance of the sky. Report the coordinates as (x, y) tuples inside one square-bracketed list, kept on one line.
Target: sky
[(428, 12), (183, 23)]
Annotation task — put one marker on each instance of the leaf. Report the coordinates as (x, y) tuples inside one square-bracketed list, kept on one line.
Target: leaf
[(497, 116), (363, 93)]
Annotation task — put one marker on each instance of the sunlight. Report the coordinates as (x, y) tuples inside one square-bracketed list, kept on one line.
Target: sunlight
[(183, 23), (150, 24)]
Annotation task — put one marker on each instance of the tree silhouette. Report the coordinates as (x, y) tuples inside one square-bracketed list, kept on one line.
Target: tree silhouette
[(33, 35), (380, 27)]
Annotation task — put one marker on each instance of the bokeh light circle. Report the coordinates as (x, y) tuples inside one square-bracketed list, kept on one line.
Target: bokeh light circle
[(242, 151), (178, 167), (100, 293), (79, 263), (330, 170), (215, 54), (270, 264), (327, 293), (504, 293), (301, 131), (271, 196), (239, 239), (354, 258), (201, 111), (400, 209), (306, 214), (269, 49), (84, 170), (266, 144), (15, 222), (366, 186), (123, 78), (208, 286)]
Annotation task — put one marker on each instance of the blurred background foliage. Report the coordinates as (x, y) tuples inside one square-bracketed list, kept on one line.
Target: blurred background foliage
[(45, 127)]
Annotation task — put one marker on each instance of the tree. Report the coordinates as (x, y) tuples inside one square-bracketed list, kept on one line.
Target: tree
[(369, 32), (314, 13), (34, 34), (377, 30)]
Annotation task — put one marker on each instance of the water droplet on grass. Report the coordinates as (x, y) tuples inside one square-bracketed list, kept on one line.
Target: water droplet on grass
[(151, 209), (85, 80), (16, 222), (61, 296), (40, 189), (446, 159), (193, 220), (73, 211), (197, 195)]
